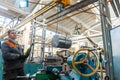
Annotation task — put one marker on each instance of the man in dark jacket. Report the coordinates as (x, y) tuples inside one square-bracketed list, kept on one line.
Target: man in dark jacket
[(13, 56)]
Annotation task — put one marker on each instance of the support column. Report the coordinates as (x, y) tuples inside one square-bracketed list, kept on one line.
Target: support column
[(106, 26), (33, 38)]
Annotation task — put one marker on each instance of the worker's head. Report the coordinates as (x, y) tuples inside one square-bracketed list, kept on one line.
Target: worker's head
[(12, 34)]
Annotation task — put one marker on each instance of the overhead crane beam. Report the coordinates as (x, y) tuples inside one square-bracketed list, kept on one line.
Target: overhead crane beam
[(67, 17), (26, 20), (70, 9), (67, 10), (41, 11)]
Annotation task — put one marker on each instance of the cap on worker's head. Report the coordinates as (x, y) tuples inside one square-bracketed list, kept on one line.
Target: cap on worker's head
[(10, 30)]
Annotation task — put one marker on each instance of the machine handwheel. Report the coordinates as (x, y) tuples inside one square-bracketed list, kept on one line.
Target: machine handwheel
[(84, 62)]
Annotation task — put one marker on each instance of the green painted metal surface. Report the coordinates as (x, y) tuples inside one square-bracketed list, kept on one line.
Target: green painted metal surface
[(42, 76), (46, 76)]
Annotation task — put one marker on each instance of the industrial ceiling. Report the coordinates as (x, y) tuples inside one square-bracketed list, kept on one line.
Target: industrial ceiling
[(86, 19)]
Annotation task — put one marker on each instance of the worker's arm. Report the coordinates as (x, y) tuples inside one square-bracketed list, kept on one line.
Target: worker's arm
[(8, 54), (27, 53)]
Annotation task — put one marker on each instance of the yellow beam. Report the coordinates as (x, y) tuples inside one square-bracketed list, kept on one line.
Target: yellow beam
[(35, 14), (25, 21)]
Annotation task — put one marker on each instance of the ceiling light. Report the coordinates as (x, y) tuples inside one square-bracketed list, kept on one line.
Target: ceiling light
[(78, 0), (23, 3), (2, 7)]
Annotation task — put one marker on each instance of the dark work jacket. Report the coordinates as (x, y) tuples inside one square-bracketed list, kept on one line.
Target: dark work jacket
[(11, 54)]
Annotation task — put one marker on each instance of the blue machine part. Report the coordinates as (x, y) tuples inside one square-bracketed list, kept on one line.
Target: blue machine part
[(51, 68), (74, 75), (81, 68), (64, 77), (1, 65), (32, 68), (69, 59)]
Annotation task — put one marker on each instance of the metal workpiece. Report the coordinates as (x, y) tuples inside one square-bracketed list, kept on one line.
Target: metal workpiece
[(61, 42)]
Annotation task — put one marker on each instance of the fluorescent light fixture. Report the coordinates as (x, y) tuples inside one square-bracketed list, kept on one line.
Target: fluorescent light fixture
[(23, 3), (2, 7)]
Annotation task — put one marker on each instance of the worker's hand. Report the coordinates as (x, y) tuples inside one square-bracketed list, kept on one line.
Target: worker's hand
[(22, 56), (27, 53)]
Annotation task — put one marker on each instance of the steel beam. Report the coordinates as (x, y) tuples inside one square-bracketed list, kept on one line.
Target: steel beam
[(118, 5), (70, 9), (106, 26), (114, 8), (26, 20)]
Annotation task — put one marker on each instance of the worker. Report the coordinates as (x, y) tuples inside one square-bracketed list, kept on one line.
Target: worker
[(13, 57)]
